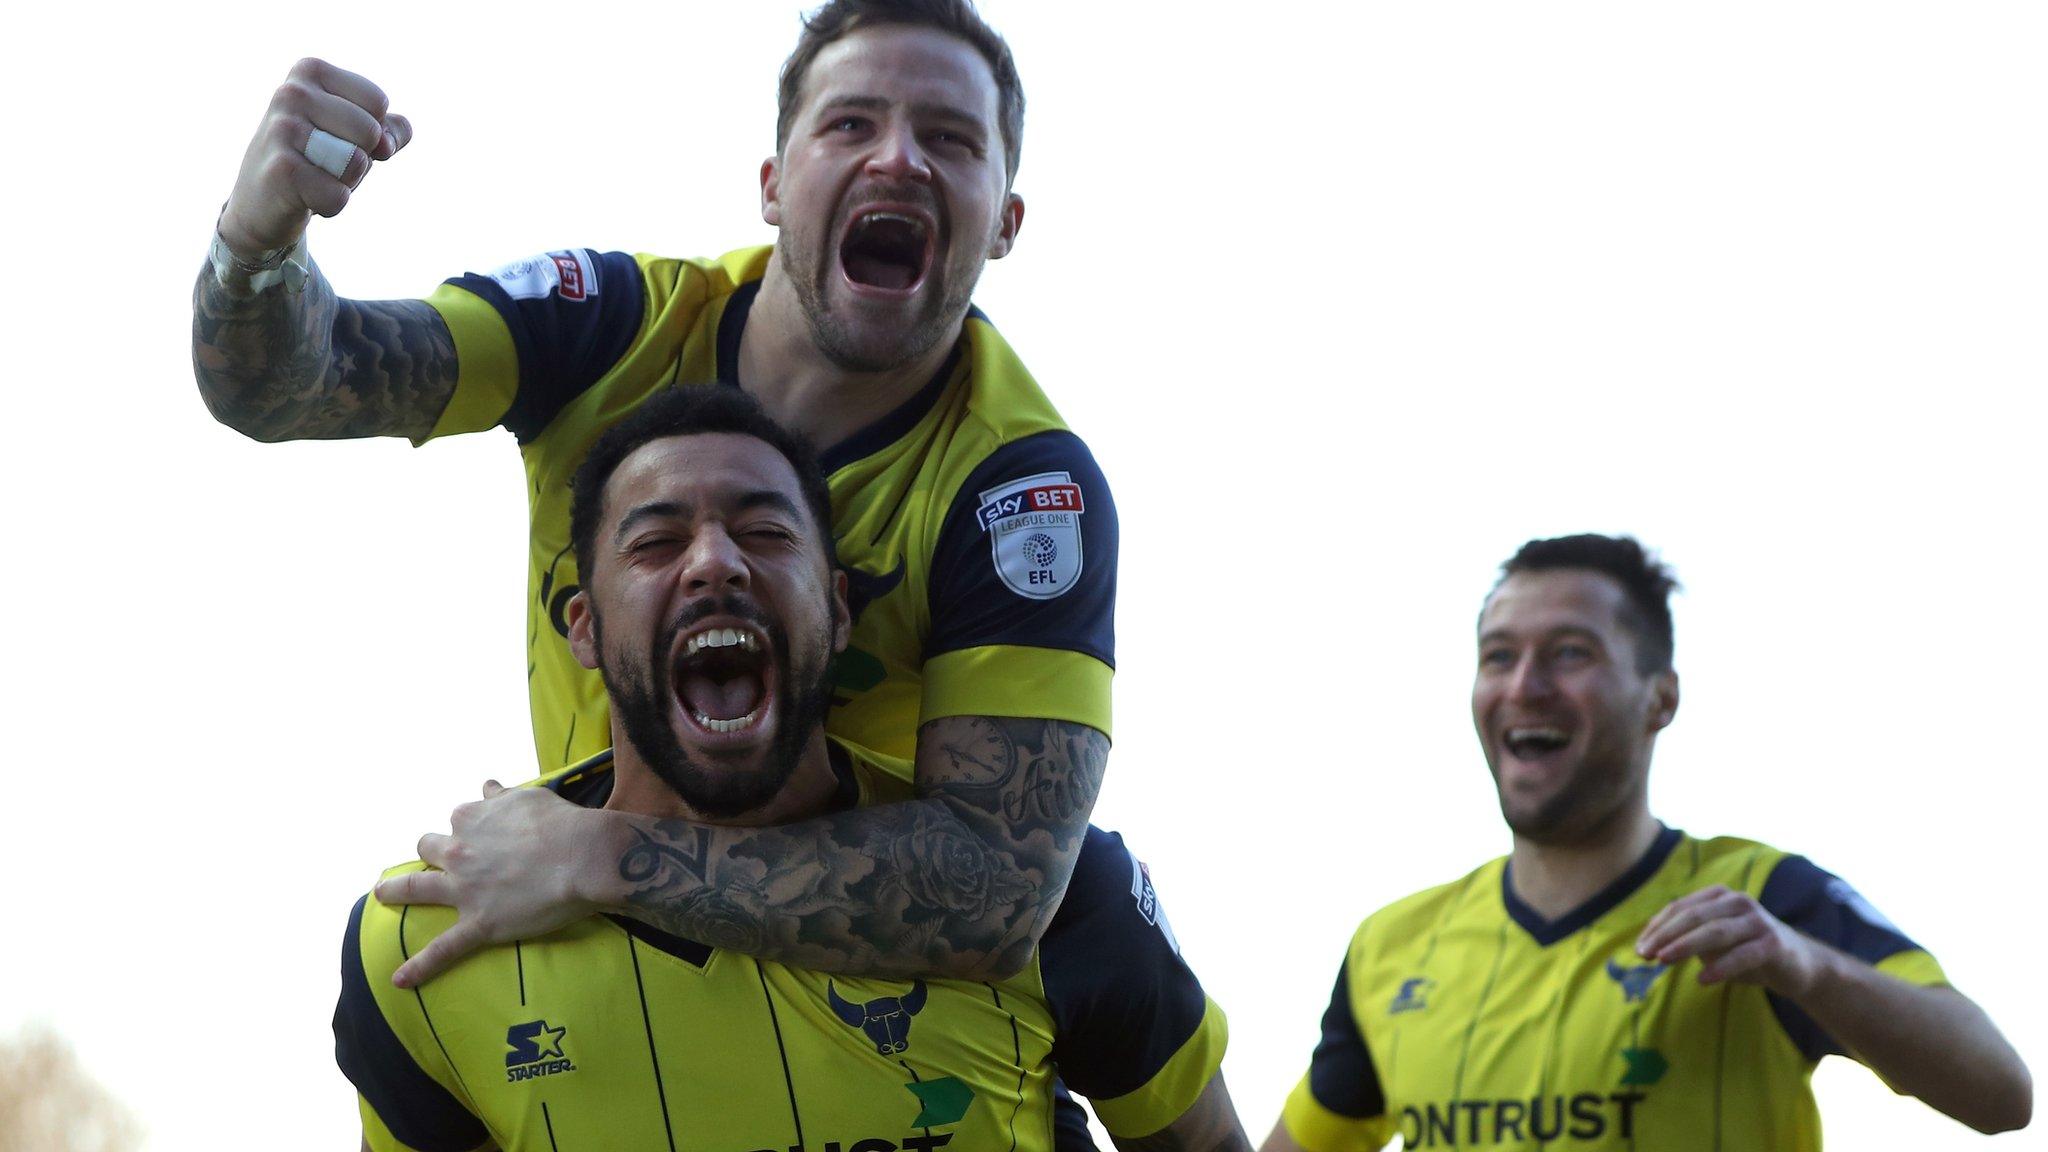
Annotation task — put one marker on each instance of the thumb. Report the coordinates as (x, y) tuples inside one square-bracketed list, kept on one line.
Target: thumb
[(492, 788), (397, 134)]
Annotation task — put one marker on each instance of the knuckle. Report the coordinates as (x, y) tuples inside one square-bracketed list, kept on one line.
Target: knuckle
[(308, 67)]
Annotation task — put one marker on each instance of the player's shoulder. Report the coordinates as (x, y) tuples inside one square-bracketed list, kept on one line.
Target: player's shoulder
[(1415, 913), (1107, 877), (1734, 861), (1004, 401)]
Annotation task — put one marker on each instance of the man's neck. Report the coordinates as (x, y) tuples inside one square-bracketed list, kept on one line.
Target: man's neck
[(1553, 879), (782, 367), (637, 789)]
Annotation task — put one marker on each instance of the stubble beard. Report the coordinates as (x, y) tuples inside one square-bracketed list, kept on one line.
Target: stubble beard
[(642, 692), (851, 346)]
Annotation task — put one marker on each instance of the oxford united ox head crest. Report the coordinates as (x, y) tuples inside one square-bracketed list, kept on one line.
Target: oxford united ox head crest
[(886, 1020), (1635, 981)]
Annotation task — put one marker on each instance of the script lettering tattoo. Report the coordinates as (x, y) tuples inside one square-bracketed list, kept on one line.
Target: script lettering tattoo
[(281, 365), (960, 882)]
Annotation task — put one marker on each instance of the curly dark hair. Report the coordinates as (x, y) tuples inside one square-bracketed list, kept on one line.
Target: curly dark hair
[(691, 411)]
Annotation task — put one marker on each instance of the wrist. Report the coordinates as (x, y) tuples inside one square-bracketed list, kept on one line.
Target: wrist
[(245, 269), (594, 880)]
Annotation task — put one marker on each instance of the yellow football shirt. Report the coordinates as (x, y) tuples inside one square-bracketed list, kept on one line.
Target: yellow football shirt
[(611, 1036), (1461, 1019), (979, 535)]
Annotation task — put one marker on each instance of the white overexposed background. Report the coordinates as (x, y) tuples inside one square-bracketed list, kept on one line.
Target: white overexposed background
[(1349, 300)]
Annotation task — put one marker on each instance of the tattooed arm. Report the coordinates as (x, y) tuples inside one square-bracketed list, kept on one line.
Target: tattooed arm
[(283, 365), (289, 360), (1211, 1125), (960, 882)]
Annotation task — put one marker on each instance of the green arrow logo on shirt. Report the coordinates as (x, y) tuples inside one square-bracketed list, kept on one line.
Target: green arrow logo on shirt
[(1646, 1066), (945, 1101)]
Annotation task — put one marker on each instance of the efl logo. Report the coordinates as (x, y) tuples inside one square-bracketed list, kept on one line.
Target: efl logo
[(1034, 533)]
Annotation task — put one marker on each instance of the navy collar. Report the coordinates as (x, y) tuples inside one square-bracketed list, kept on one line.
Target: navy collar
[(1548, 932), (732, 328)]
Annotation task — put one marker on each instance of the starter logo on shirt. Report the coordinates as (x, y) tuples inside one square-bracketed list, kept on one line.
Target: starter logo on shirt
[(1412, 997), (1034, 533), (534, 1050)]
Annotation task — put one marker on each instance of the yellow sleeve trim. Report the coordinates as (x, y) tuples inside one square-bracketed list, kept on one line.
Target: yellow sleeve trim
[(1914, 967), (1013, 680), (1175, 1087), (1317, 1129), (486, 364)]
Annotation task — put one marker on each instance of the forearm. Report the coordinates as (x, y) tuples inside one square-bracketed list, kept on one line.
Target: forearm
[(1932, 1043), (261, 356), (907, 889), (959, 883), (288, 364)]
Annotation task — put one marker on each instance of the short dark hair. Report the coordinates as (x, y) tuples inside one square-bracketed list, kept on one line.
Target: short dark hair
[(838, 18), (1646, 582), (690, 411)]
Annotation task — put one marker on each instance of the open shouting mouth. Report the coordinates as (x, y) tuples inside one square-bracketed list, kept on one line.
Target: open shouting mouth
[(887, 249), (724, 678)]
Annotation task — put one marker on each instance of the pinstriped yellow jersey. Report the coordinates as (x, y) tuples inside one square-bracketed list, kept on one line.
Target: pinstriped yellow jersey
[(979, 535), (1462, 1019), (610, 1036)]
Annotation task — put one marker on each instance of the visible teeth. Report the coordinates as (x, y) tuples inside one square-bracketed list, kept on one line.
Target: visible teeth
[(1535, 734), (732, 725), (720, 638), (896, 216)]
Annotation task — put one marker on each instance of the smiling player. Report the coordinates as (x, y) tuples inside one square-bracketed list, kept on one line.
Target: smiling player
[(710, 586), (1613, 983), (979, 535)]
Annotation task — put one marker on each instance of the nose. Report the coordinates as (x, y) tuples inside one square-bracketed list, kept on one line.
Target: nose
[(898, 155), (714, 562), (1530, 680)]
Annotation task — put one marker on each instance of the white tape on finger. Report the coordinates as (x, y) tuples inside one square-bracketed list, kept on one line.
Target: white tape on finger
[(329, 152)]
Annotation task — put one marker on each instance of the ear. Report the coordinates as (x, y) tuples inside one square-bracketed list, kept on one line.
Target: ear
[(1007, 226), (582, 629), (1663, 701), (842, 617), (771, 206)]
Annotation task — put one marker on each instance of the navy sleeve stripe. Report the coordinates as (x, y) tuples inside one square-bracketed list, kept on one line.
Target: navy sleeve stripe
[(411, 1103), (1340, 1074), (1822, 905), (565, 344), (1123, 1002), (974, 603)]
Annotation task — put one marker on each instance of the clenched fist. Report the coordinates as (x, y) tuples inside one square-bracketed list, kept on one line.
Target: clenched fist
[(279, 188)]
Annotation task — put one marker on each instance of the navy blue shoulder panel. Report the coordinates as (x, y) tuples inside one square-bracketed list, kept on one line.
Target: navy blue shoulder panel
[(417, 1109), (1824, 906), (568, 336), (1340, 1074), (1123, 1002), (1032, 565)]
